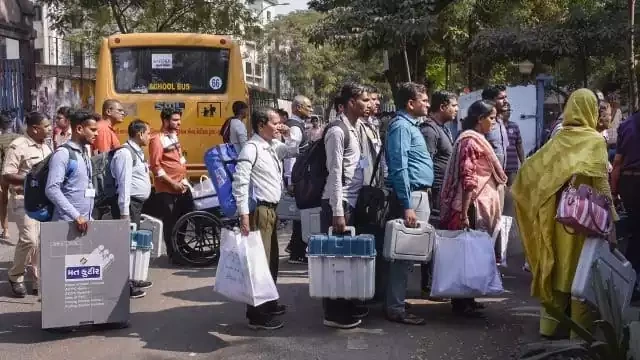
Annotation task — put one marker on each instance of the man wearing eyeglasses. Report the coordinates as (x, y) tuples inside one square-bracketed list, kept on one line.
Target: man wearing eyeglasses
[(112, 114)]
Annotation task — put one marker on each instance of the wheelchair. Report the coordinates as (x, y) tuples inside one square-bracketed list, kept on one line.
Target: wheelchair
[(196, 236)]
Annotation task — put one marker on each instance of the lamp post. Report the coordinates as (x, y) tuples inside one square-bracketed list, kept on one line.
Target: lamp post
[(262, 36), (526, 68)]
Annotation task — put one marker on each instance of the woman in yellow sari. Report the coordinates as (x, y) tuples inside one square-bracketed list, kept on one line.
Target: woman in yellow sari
[(553, 254)]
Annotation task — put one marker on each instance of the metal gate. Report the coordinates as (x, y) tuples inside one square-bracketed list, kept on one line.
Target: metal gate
[(11, 91)]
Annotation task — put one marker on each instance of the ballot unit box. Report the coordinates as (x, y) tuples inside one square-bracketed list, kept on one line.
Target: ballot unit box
[(84, 278)]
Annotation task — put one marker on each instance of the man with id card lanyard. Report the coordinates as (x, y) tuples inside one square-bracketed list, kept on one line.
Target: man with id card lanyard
[(169, 166), (69, 185), (131, 173)]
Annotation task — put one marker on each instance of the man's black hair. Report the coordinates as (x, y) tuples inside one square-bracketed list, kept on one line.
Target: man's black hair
[(260, 116), (440, 98), (80, 117), (492, 92), (34, 118), (108, 104), (238, 106), (64, 111), (337, 101), (167, 113), (407, 91), (137, 126), (351, 91), (283, 113)]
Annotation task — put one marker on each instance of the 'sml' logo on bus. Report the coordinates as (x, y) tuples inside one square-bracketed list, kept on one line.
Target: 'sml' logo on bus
[(171, 105)]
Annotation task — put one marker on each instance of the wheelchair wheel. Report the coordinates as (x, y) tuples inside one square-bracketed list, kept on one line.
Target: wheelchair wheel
[(196, 238)]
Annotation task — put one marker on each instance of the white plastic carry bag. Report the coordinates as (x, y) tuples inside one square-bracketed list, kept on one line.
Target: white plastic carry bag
[(503, 230), (464, 265), (204, 194), (243, 272)]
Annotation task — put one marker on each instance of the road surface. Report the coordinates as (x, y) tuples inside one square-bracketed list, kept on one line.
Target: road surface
[(183, 318)]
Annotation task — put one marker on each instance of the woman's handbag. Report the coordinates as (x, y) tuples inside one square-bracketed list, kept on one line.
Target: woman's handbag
[(584, 210)]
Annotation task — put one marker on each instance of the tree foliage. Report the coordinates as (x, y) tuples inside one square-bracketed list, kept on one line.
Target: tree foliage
[(316, 71), (375, 25), (107, 17)]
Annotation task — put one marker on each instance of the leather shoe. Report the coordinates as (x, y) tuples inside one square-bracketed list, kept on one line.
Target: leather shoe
[(18, 289)]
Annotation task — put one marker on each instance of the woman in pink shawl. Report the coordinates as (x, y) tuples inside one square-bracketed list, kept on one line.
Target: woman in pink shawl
[(473, 184)]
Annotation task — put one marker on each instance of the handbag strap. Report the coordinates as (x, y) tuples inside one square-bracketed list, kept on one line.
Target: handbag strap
[(376, 165)]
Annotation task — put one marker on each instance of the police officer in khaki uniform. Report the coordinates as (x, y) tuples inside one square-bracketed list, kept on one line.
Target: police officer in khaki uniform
[(23, 153)]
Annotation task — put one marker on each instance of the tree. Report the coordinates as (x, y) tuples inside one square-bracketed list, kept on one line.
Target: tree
[(107, 17), (316, 71), (401, 27)]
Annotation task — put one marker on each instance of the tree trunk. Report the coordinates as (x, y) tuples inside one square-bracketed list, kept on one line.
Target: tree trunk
[(397, 72), (633, 84)]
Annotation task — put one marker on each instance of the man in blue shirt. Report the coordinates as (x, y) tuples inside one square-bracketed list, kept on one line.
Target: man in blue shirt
[(69, 185), (410, 176), (498, 136)]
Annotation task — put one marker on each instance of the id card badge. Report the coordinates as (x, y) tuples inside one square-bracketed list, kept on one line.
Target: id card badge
[(183, 160), (363, 163), (90, 193)]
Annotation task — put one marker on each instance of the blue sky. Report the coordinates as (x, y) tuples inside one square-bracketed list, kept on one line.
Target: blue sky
[(294, 5)]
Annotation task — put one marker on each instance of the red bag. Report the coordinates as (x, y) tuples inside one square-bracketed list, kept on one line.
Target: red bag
[(584, 210)]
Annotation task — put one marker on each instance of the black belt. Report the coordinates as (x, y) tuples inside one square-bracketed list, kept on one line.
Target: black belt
[(267, 204), (426, 189)]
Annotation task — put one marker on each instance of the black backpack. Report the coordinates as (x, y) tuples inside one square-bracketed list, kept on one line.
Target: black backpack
[(225, 131), (309, 173), (36, 203), (101, 176)]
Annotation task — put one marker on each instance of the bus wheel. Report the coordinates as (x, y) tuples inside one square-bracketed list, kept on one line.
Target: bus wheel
[(196, 239)]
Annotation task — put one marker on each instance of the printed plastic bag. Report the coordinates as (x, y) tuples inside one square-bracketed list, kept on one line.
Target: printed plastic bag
[(503, 230), (464, 265), (204, 195), (243, 272)]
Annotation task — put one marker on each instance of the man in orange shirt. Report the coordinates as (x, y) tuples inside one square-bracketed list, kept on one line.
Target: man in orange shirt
[(169, 166), (112, 114)]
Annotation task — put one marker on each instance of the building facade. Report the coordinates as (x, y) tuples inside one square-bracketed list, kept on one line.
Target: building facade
[(16, 58), (65, 69)]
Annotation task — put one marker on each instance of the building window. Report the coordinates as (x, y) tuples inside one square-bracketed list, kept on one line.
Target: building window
[(268, 15), (39, 55), (248, 69), (258, 69), (3, 48), (38, 10)]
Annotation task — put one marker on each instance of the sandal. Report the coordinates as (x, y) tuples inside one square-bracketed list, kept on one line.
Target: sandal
[(406, 318), (469, 312), (478, 306)]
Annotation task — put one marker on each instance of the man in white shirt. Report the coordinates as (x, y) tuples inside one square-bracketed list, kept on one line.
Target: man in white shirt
[(260, 164), (301, 109), (235, 132), (346, 168), (131, 174)]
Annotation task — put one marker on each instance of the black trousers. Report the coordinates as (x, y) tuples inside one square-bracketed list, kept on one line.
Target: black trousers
[(336, 309), (135, 209), (628, 188), (169, 208), (297, 246)]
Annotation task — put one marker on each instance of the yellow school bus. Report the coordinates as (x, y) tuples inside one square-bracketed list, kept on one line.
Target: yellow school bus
[(201, 75)]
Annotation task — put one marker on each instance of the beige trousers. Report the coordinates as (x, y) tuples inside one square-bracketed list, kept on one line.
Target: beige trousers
[(27, 248)]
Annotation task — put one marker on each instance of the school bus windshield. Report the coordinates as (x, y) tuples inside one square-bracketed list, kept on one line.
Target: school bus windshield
[(170, 70)]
